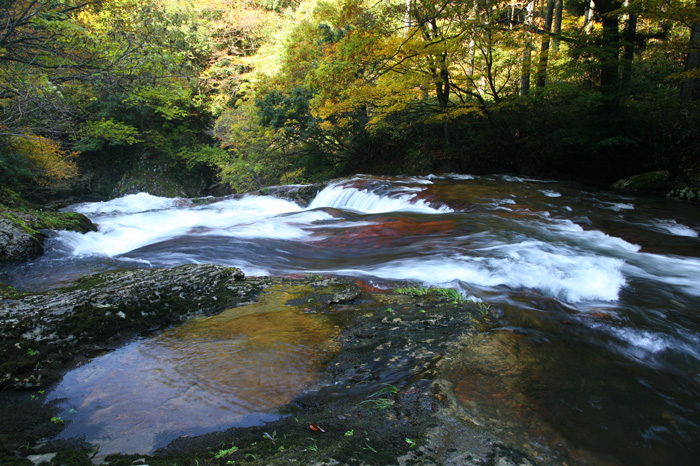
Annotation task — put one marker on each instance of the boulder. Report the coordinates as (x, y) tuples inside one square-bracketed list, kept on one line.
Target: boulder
[(644, 183), (16, 244)]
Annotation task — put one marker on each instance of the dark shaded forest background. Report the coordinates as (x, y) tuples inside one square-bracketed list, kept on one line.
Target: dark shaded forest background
[(174, 97)]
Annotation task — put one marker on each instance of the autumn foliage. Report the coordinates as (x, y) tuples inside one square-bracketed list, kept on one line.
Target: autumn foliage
[(48, 162), (255, 92)]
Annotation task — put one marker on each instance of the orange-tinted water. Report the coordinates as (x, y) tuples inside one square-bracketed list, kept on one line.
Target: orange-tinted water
[(212, 373)]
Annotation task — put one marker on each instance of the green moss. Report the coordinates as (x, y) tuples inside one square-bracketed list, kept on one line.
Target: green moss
[(652, 182), (33, 219), (71, 221), (9, 292), (71, 458)]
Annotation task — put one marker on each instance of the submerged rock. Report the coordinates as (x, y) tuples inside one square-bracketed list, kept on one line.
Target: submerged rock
[(384, 401), (40, 333)]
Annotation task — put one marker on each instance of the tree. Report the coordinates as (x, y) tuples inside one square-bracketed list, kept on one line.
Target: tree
[(544, 51), (527, 51), (42, 48), (690, 87)]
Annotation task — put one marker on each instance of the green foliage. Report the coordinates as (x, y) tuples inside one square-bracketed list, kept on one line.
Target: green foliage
[(413, 290), (483, 308), (305, 90), (289, 112), (15, 170), (225, 452), (94, 135), (30, 160), (378, 400), (204, 154), (451, 294), (417, 290), (279, 5)]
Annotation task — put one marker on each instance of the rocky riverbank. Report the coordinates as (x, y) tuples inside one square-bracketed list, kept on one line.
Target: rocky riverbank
[(383, 400)]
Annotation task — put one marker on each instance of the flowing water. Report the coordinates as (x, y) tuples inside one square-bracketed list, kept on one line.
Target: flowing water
[(595, 355)]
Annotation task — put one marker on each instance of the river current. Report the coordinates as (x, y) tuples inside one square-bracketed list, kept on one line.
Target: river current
[(596, 348)]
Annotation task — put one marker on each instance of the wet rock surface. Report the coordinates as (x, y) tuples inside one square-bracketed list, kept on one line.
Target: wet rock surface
[(41, 333), (382, 401), (16, 244), (300, 194)]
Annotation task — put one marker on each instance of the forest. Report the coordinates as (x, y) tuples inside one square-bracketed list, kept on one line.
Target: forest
[(233, 95)]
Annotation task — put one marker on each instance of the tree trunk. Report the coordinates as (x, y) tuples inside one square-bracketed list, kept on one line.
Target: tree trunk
[(558, 9), (690, 88), (610, 53), (630, 36), (471, 60), (527, 53), (544, 52), (407, 18), (525, 76), (588, 17), (442, 85)]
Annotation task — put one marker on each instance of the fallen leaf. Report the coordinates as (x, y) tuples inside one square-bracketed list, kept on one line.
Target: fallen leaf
[(316, 428)]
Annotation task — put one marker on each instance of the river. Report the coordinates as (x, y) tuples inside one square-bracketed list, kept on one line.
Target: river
[(595, 347)]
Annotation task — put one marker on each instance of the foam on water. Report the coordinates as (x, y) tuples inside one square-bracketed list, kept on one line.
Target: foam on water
[(681, 272), (557, 272), (643, 339), (596, 240), (362, 200), (135, 221), (131, 203), (452, 176), (414, 180), (553, 255), (676, 271), (674, 228), (651, 347), (521, 179), (618, 206), (550, 193)]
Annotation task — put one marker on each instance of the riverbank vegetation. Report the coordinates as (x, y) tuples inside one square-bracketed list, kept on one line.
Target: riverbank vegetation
[(112, 96)]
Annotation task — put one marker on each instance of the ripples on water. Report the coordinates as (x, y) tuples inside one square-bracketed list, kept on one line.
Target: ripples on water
[(597, 352)]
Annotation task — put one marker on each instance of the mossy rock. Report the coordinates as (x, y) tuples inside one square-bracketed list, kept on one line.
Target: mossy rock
[(644, 183), (22, 226)]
